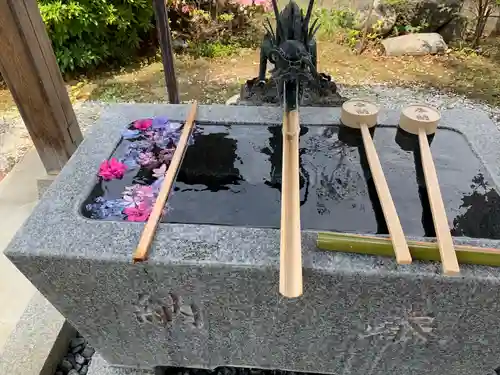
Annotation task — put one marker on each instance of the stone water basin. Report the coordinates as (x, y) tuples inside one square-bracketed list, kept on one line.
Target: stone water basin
[(208, 295)]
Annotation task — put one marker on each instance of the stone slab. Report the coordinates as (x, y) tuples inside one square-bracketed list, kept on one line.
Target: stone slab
[(38, 342), (18, 197), (99, 366), (208, 296), (44, 183)]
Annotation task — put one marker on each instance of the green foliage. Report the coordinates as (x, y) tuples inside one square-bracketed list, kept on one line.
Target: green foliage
[(220, 32), (339, 25), (332, 21), (213, 49), (86, 33)]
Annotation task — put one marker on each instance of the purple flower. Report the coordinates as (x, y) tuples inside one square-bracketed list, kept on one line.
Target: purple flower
[(130, 134), (102, 209), (160, 122), (174, 127), (156, 186), (147, 159), (141, 145)]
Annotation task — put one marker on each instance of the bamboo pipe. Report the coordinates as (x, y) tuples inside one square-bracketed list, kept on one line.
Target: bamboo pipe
[(422, 120), (141, 253), (427, 251), (290, 240), (362, 114)]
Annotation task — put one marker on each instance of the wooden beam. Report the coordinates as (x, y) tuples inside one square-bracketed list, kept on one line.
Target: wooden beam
[(29, 67), (167, 53)]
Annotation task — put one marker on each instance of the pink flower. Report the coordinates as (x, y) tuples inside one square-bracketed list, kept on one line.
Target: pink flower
[(143, 192), (137, 194), (186, 8), (111, 169), (139, 213), (143, 124)]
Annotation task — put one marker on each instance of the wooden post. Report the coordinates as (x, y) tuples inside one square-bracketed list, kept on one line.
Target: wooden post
[(166, 50), (29, 67)]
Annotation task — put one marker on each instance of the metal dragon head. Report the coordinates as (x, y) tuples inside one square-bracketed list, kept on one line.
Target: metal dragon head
[(292, 44)]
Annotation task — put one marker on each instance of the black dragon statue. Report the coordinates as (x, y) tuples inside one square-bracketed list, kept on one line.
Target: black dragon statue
[(291, 48)]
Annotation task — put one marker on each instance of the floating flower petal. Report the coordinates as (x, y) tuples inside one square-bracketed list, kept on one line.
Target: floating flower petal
[(143, 124), (111, 169), (130, 134)]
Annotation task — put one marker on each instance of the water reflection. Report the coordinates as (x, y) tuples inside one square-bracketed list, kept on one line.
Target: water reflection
[(353, 138), (203, 169), (409, 142), (275, 152), (231, 175), (336, 177), (482, 211)]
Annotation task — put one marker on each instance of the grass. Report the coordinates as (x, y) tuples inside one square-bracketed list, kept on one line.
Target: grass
[(215, 80)]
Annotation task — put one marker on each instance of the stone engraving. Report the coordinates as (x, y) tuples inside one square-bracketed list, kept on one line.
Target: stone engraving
[(166, 311), (366, 349), (402, 329)]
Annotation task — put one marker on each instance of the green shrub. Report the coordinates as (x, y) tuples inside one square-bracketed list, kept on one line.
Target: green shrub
[(214, 29), (333, 21), (87, 33)]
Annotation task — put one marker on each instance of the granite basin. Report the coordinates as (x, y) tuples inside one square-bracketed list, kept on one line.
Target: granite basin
[(208, 295)]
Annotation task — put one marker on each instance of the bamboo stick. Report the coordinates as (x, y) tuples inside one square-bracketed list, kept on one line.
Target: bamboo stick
[(290, 246), (141, 253), (427, 251)]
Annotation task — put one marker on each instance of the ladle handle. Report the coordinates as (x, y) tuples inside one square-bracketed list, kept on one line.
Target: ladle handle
[(398, 239), (141, 253), (445, 242), (290, 246)]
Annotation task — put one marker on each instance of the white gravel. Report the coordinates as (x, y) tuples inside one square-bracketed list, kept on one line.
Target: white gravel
[(15, 140), (398, 97)]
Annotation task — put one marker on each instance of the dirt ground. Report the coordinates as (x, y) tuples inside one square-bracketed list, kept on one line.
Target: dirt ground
[(214, 81)]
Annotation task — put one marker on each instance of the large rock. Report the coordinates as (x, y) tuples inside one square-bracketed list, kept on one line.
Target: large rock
[(426, 15), (381, 21), (455, 29), (415, 44), (431, 15)]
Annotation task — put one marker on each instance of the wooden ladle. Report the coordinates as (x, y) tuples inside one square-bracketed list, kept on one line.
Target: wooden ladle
[(423, 120), (362, 114)]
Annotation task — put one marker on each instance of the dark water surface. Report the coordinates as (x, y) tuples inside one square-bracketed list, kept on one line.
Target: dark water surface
[(231, 175)]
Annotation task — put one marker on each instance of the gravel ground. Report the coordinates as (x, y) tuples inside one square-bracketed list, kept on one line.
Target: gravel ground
[(15, 140), (397, 97), (78, 358)]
